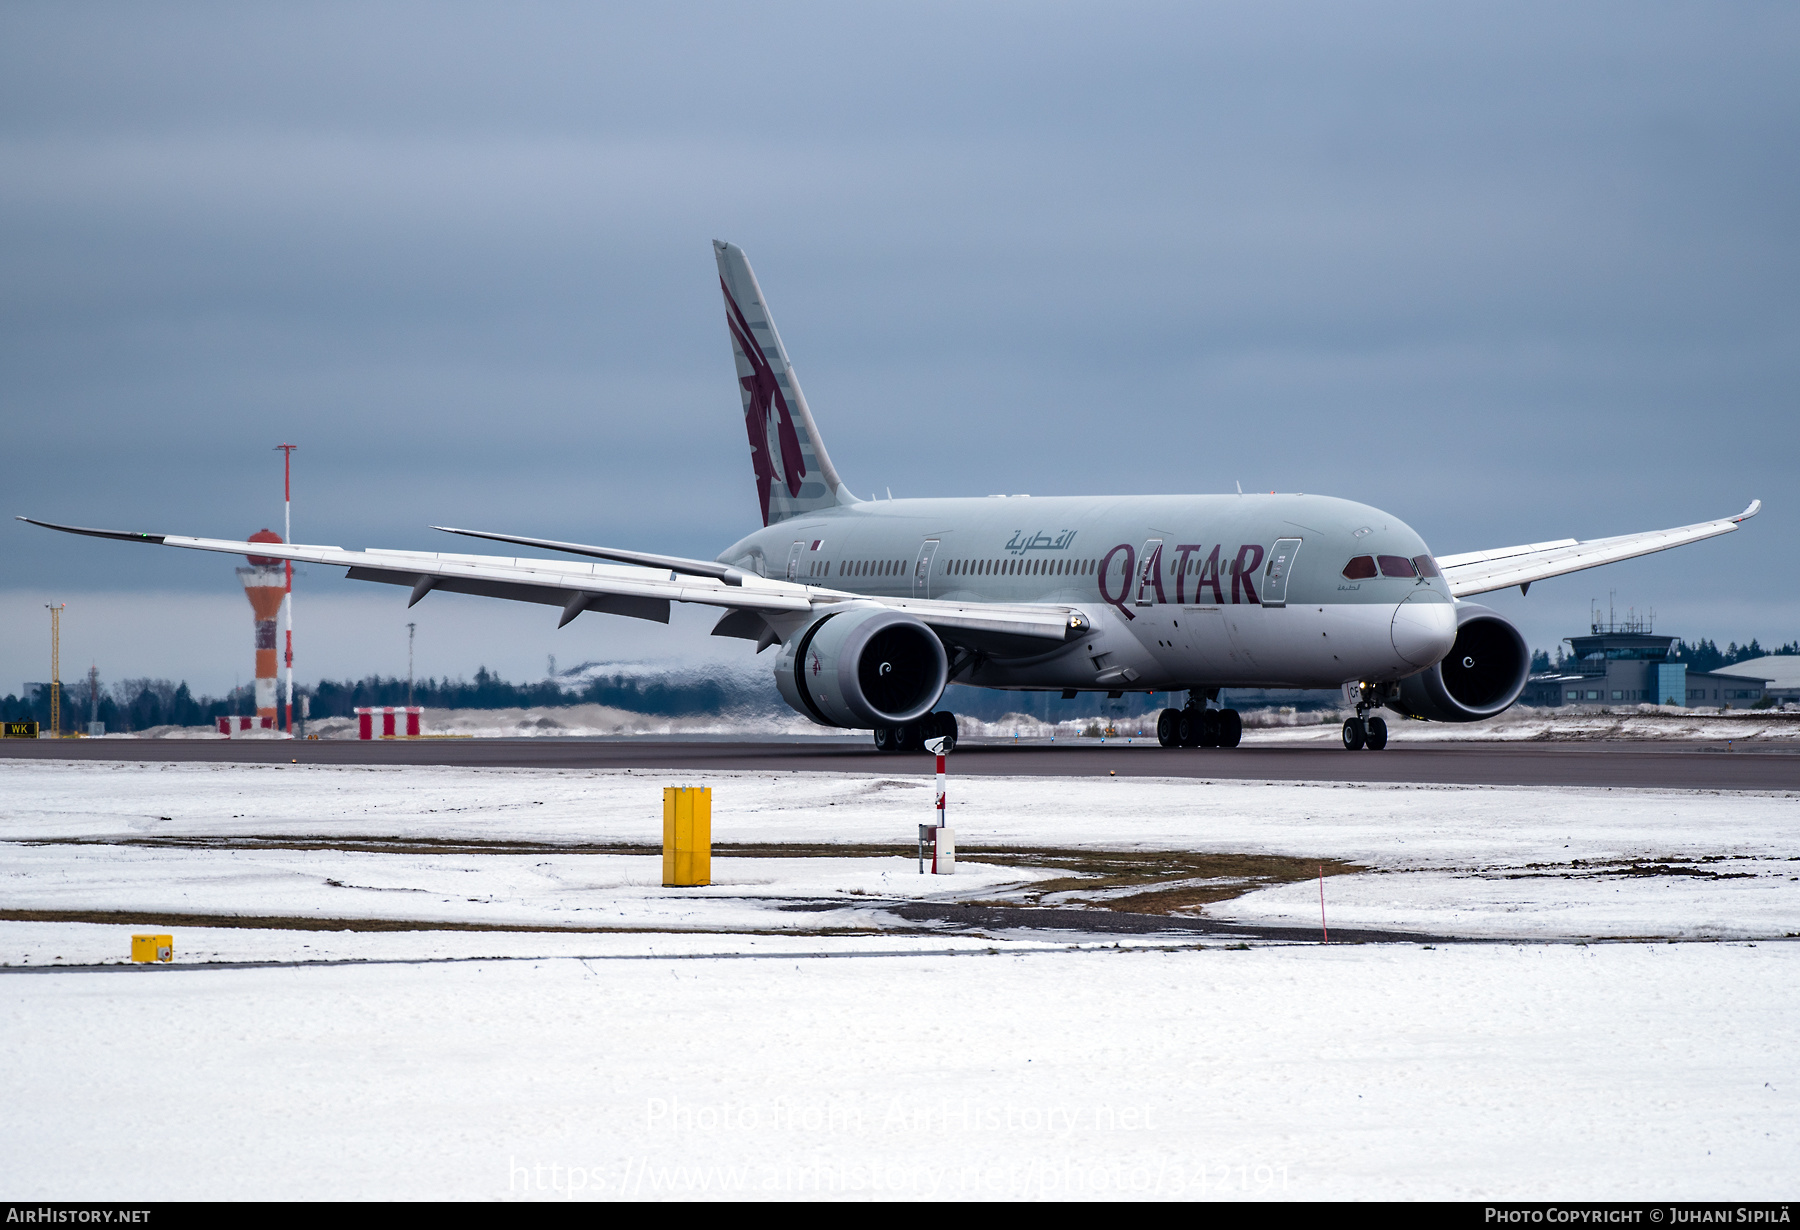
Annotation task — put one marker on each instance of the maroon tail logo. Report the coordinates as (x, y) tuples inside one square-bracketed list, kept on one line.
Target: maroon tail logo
[(764, 391)]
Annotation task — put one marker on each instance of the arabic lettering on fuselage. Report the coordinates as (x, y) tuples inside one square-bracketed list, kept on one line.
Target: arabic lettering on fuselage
[(1019, 543)]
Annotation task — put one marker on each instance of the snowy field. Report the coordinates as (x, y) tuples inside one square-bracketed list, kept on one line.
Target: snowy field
[(1618, 1015)]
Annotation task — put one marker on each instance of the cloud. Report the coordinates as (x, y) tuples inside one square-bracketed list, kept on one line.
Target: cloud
[(1512, 274)]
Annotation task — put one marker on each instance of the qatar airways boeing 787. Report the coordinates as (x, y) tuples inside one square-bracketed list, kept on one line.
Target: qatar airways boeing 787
[(877, 605)]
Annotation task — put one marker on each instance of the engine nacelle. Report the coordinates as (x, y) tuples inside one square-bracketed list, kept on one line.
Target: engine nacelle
[(863, 668), (1482, 675)]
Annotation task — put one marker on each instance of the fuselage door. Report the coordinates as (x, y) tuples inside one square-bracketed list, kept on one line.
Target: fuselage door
[(1150, 573), (793, 572), (921, 587), (1280, 567)]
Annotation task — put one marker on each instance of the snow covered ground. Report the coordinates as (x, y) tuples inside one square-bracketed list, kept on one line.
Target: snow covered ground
[(1472, 861), (718, 1042)]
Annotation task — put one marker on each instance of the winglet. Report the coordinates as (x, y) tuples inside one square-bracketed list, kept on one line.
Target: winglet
[(1755, 507), (123, 535)]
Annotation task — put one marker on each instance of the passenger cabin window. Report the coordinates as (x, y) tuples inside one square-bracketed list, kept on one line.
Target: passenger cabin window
[(1426, 565), (1396, 566), (1360, 569)]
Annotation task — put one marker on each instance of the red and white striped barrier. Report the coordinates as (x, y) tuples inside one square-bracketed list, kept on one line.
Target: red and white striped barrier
[(242, 724), (381, 723)]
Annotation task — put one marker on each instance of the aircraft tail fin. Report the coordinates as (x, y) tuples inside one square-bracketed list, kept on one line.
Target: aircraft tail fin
[(794, 474)]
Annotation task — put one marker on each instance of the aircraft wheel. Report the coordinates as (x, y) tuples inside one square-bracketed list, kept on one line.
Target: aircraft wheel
[(1377, 734), (1189, 728), (1168, 728), (1354, 735), (943, 726), (1210, 725), (910, 737), (884, 739), (1231, 728)]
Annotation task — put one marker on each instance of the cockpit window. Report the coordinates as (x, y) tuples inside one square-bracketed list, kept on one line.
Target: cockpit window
[(1396, 566), (1427, 566), (1360, 569)]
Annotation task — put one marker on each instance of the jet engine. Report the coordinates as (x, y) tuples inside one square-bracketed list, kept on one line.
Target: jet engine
[(1482, 675), (863, 668)]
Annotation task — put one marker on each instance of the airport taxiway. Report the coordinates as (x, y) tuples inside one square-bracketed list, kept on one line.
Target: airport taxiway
[(1678, 765)]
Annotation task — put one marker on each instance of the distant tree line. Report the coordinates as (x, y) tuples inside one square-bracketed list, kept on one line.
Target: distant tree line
[(140, 704), (130, 704), (672, 695), (1703, 655)]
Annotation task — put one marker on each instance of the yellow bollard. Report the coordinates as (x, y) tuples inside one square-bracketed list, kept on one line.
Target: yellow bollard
[(152, 948), (687, 836)]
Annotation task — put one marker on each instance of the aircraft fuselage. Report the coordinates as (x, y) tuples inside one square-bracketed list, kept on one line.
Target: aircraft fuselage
[(1193, 591)]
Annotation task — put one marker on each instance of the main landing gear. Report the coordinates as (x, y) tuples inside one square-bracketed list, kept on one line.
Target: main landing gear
[(1198, 726), (912, 736), (1361, 731)]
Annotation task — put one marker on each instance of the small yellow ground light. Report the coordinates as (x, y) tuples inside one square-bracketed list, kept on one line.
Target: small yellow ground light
[(152, 948), (687, 836)]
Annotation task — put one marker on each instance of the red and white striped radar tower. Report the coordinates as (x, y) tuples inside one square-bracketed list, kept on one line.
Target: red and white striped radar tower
[(264, 586)]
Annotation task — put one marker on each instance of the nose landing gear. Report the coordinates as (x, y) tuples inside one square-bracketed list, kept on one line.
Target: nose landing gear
[(1365, 732)]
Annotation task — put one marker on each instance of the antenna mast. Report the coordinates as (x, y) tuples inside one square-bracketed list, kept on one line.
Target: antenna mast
[(55, 668), (287, 599)]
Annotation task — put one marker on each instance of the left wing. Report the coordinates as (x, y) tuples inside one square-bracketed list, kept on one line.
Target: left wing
[(635, 589), (1479, 572)]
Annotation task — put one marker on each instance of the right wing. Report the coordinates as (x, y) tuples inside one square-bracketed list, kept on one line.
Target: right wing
[(1479, 572), (640, 592)]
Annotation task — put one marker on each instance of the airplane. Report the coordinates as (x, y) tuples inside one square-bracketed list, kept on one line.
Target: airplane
[(875, 606)]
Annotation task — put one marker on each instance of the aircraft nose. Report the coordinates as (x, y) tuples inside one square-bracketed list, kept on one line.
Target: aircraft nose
[(1423, 631)]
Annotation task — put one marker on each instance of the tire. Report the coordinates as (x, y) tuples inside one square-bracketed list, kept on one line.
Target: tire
[(1354, 735), (1189, 728), (943, 726), (910, 737), (1168, 728), (1377, 734), (1231, 728), (884, 739), (1209, 728)]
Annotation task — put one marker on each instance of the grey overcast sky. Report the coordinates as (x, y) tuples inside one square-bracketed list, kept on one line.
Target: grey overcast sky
[(1512, 272)]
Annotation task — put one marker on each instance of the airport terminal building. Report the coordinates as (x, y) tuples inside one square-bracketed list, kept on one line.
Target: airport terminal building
[(1782, 672), (1613, 666)]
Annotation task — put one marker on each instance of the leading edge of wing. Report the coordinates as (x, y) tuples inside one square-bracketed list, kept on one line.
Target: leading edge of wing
[(1047, 621), (642, 559), (565, 575), (1480, 572)]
